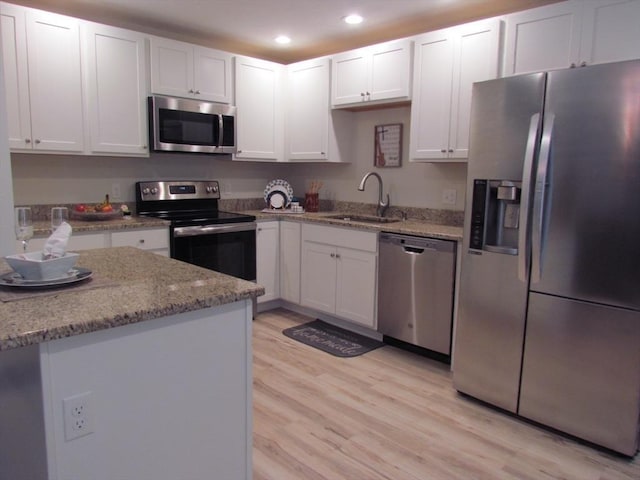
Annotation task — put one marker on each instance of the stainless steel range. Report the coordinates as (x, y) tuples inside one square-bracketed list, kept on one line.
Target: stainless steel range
[(201, 234)]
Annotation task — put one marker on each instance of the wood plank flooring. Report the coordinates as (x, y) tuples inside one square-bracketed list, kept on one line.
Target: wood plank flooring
[(393, 415)]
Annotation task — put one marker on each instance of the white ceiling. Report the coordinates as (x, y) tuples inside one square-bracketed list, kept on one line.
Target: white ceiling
[(315, 26)]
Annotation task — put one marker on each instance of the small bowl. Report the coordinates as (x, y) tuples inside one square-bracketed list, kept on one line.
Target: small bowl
[(31, 266)]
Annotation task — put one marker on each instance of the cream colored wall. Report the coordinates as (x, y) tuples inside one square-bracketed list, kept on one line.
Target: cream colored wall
[(48, 179)]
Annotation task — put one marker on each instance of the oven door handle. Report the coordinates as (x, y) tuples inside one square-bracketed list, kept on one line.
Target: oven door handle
[(213, 229)]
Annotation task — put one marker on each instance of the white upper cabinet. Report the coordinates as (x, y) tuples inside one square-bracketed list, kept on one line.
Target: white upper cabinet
[(571, 34), (46, 95), (260, 110), (308, 113), (446, 64), (543, 38), (185, 70), (16, 75), (610, 31), (377, 74), (116, 79)]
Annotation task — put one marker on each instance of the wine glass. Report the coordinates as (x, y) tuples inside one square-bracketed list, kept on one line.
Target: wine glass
[(23, 225), (59, 215)]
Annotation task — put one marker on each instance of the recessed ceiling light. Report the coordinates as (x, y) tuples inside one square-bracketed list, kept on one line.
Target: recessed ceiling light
[(282, 39), (353, 19)]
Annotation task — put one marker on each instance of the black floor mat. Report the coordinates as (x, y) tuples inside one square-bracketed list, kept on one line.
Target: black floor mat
[(334, 340)]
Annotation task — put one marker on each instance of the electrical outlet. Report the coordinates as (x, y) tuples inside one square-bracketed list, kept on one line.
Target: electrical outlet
[(116, 193), (449, 196), (78, 415)]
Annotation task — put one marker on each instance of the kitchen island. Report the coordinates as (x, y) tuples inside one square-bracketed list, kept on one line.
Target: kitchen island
[(143, 372)]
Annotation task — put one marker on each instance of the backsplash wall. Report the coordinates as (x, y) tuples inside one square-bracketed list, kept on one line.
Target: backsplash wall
[(48, 179)]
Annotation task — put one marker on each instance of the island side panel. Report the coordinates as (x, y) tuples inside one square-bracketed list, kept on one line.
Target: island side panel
[(22, 440), (169, 398)]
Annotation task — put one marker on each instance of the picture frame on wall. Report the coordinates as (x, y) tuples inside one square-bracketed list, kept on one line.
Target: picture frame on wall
[(388, 145)]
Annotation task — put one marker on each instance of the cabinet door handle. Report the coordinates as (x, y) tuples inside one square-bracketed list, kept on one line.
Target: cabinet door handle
[(337, 255), (362, 94), (27, 140), (583, 64), (333, 255), (191, 90), (451, 150), (37, 141), (197, 92), (444, 150)]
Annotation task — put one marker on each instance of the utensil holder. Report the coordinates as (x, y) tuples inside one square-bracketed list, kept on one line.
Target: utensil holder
[(311, 202)]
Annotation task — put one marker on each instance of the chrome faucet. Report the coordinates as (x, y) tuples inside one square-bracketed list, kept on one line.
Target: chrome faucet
[(382, 206)]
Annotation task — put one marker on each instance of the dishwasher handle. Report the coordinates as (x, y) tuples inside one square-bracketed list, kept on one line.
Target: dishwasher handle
[(416, 245)]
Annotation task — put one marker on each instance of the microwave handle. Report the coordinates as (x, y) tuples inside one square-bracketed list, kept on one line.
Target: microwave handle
[(220, 129)]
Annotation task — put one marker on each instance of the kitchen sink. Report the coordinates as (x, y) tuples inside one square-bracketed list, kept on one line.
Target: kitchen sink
[(363, 218)]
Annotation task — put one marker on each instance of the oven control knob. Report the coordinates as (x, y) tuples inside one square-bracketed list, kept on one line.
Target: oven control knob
[(145, 191), (212, 188), (154, 190)]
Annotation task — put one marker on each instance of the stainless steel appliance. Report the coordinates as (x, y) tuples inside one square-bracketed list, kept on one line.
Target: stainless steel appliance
[(183, 125), (200, 233), (415, 290), (549, 315)]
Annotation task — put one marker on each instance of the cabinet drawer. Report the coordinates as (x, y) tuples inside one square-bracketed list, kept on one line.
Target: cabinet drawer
[(341, 237), (145, 239)]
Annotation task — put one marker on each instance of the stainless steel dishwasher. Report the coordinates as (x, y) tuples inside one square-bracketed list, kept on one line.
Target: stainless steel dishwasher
[(415, 290)]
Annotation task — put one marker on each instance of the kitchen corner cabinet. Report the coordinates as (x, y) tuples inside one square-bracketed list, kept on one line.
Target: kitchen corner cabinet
[(260, 114), (308, 113), (290, 249), (268, 259), (116, 83), (185, 70), (41, 59), (571, 34), (337, 278), (446, 64), (372, 75)]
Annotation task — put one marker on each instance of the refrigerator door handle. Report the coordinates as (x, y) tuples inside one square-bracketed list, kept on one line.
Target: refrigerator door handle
[(524, 242), (539, 198)]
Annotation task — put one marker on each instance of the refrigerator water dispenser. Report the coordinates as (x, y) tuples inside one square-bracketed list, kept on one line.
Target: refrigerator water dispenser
[(495, 216)]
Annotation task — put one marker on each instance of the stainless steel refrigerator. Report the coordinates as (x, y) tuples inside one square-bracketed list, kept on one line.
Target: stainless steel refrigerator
[(549, 313)]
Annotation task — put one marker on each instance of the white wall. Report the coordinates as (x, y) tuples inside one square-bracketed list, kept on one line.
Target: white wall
[(7, 239), (43, 178)]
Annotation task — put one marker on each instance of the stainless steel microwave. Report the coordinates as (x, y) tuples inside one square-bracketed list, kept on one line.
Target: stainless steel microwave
[(184, 125)]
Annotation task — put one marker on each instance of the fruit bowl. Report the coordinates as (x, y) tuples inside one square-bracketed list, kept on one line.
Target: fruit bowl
[(32, 266), (95, 216)]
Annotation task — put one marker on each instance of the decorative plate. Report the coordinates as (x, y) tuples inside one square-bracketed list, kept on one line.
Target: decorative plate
[(278, 194), (13, 279)]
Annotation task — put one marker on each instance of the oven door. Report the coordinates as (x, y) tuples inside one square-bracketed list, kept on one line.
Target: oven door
[(226, 248)]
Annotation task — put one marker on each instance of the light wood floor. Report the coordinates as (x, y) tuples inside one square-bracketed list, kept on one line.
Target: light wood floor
[(393, 415)]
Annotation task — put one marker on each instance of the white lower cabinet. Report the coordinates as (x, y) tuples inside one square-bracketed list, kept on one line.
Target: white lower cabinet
[(290, 237), (268, 259), (338, 272), (155, 240), (78, 241)]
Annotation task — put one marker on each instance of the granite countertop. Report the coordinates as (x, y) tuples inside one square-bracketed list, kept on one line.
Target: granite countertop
[(42, 228), (131, 286), (409, 227)]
